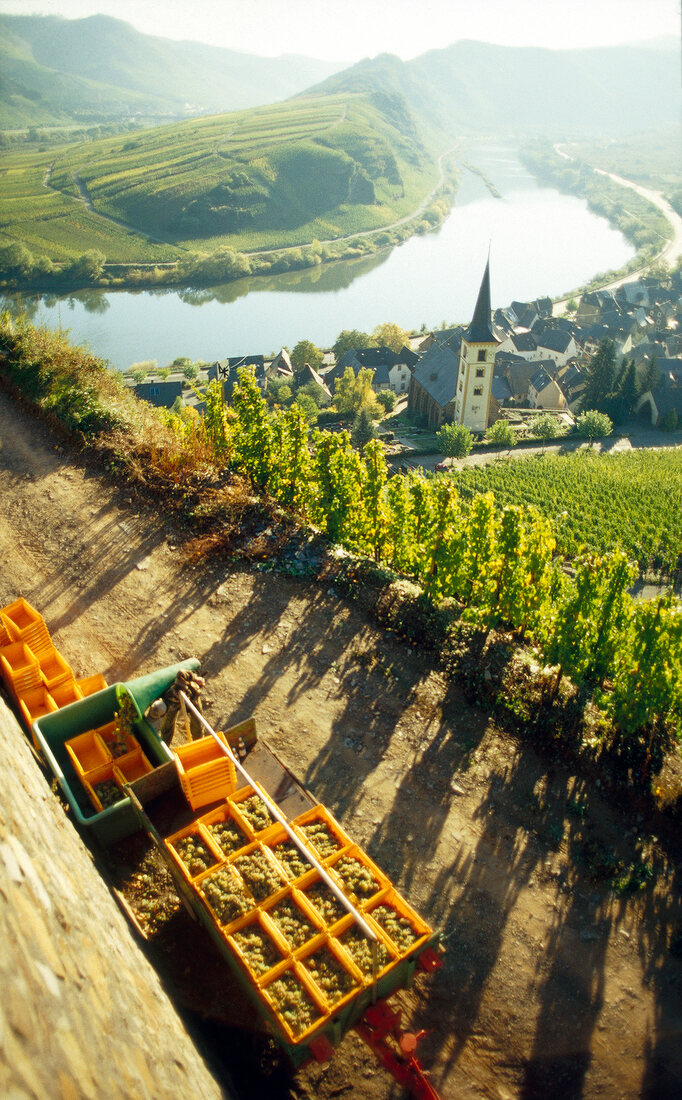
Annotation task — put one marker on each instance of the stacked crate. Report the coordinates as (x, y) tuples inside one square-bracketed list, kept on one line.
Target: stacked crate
[(302, 954), (34, 671), (104, 760)]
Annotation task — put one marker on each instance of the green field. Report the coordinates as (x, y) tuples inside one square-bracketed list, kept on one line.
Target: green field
[(632, 500), (651, 159), (286, 174)]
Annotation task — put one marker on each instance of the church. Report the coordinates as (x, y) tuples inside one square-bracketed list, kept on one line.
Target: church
[(453, 380)]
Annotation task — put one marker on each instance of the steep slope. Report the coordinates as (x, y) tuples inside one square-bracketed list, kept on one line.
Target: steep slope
[(338, 161), (55, 69)]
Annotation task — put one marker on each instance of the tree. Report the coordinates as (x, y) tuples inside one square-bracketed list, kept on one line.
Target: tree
[(650, 376), (594, 425), (352, 393), (628, 389), (544, 428), (190, 371), (455, 440), (387, 400), (601, 371), (351, 340), (307, 406), (138, 376), (363, 428), (89, 265), (279, 392), (306, 352), (501, 434), (390, 335)]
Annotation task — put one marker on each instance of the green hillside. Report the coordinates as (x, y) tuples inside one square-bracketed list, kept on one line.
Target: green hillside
[(317, 168)]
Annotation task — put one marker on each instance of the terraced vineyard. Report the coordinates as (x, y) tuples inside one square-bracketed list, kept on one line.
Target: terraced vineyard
[(286, 174), (632, 500)]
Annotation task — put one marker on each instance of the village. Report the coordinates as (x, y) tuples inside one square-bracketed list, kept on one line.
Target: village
[(539, 362)]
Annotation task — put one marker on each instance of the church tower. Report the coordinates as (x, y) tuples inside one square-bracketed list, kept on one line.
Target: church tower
[(476, 364)]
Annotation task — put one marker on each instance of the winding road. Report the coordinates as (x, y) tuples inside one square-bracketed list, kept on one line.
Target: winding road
[(671, 251)]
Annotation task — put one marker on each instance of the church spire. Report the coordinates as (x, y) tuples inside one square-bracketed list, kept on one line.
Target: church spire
[(480, 330)]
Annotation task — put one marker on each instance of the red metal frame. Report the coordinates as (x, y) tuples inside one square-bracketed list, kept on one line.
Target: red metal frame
[(396, 1049)]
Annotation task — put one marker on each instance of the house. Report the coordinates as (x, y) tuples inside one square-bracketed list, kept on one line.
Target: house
[(557, 345), (226, 371), (572, 381), (281, 366), (521, 343), (544, 392), (517, 372), (162, 393), (527, 313), (434, 384), (392, 370), (309, 376), (666, 396)]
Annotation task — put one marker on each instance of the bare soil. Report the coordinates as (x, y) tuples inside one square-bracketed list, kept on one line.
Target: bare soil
[(561, 977)]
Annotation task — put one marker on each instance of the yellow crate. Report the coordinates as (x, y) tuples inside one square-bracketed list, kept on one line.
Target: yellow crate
[(37, 637), (66, 693), (206, 774), (35, 704), (259, 871), (54, 668), (326, 949), (88, 685), (365, 871), (291, 972), (308, 922), (131, 766), (102, 774), (5, 637), (237, 801), (293, 863), (258, 923), (87, 751), (20, 668), (352, 940), (328, 908), (226, 914), (409, 924), (18, 616), (320, 817), (200, 833), (223, 816)]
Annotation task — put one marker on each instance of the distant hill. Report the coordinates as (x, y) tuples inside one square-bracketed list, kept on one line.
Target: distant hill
[(55, 70), (474, 86)]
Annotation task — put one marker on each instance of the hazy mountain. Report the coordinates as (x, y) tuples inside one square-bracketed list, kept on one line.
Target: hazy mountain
[(54, 69), (473, 86)]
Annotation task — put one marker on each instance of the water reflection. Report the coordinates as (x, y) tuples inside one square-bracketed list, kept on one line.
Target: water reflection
[(543, 243)]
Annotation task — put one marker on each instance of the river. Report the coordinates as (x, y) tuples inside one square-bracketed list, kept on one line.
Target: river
[(542, 242)]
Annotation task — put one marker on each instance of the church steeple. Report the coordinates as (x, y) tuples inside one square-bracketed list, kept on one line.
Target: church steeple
[(476, 364), (480, 330)]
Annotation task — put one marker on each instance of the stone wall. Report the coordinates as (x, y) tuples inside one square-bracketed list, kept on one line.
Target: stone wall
[(82, 1012)]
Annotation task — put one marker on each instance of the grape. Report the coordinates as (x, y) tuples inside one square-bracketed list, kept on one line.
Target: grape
[(194, 854), (327, 904), (360, 950), (292, 923), (258, 949), (225, 895), (329, 975), (228, 836), (294, 863), (292, 1002), (398, 928), (357, 879), (256, 812), (321, 837), (259, 875)]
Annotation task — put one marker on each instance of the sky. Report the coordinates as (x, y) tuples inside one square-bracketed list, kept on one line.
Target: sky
[(348, 30)]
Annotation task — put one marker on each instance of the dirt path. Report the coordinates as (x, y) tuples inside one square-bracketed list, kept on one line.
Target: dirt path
[(552, 985)]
